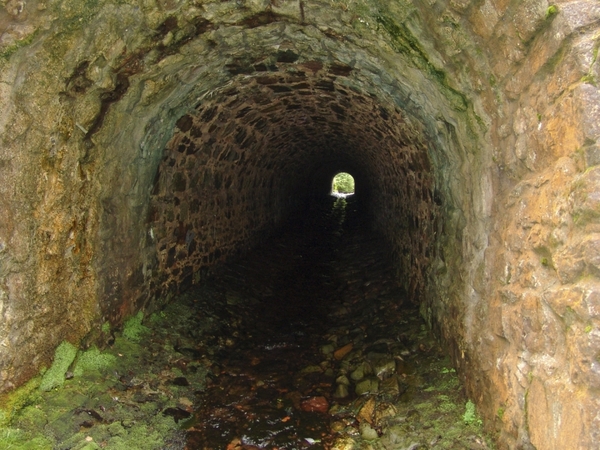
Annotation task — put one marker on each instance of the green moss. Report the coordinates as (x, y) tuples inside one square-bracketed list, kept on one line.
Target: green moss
[(79, 442), (158, 317), (6, 53), (551, 11), (588, 329), (589, 79), (470, 416), (500, 413), (446, 405), (133, 328), (404, 42), (106, 327), (93, 359), (146, 436), (55, 376), (11, 438), (17, 399)]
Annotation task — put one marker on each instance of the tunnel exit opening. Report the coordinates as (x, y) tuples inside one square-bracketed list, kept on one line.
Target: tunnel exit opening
[(342, 185)]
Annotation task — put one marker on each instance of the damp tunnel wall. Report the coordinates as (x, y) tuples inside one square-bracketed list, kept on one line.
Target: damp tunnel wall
[(144, 142), (225, 195)]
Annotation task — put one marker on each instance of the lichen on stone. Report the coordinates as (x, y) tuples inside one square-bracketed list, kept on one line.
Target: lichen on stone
[(55, 375), (8, 51)]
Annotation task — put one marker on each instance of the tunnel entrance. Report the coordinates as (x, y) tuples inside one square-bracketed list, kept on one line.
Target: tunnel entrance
[(342, 185), (143, 146)]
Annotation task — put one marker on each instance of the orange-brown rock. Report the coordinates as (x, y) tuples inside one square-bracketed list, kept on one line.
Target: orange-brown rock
[(315, 404), (342, 351)]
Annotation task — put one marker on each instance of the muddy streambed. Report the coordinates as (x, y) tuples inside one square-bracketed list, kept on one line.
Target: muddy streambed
[(306, 343)]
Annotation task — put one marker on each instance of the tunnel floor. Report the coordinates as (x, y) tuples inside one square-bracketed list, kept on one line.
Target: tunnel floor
[(307, 342)]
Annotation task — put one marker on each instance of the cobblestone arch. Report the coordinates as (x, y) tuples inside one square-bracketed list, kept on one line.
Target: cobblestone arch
[(143, 142)]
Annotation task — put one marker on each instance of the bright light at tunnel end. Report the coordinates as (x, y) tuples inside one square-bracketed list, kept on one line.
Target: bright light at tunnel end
[(342, 185)]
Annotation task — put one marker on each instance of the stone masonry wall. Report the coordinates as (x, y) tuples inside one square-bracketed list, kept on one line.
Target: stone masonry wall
[(236, 165), (533, 327)]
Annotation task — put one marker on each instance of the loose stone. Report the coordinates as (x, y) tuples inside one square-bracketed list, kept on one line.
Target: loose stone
[(327, 349), (341, 391), (343, 351), (367, 386), (384, 367), (343, 379), (367, 432), (361, 371)]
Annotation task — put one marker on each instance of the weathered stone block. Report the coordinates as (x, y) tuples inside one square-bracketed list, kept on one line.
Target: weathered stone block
[(585, 197), (569, 263), (592, 155), (579, 14), (590, 114)]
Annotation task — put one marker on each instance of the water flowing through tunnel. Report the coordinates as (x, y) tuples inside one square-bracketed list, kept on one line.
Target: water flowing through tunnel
[(147, 144)]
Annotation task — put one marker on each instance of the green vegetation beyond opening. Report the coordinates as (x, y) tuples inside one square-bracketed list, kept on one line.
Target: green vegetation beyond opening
[(343, 183)]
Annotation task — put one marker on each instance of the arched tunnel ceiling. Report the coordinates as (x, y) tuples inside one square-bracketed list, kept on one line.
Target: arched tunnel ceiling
[(343, 89), (263, 147)]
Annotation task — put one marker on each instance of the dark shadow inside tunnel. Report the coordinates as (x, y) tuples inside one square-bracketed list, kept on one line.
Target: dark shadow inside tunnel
[(241, 205), (241, 164), (315, 286)]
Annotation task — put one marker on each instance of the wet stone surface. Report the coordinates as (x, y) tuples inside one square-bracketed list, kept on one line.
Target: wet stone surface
[(306, 343)]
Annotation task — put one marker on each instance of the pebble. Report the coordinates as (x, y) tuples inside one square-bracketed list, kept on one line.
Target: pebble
[(341, 391), (327, 349), (315, 404), (311, 369), (384, 367), (367, 386), (337, 426), (343, 351), (345, 443), (343, 379), (361, 371), (367, 432)]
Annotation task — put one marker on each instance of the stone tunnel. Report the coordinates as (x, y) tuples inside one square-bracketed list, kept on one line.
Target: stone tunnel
[(144, 142)]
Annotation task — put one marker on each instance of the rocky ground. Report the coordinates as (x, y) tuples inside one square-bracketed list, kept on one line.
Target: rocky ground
[(305, 343)]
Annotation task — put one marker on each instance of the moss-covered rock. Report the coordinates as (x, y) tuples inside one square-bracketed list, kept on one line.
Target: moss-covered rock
[(133, 328), (92, 359), (55, 375), (12, 438), (14, 401)]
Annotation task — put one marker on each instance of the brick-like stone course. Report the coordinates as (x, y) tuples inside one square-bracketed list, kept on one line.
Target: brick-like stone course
[(238, 166)]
